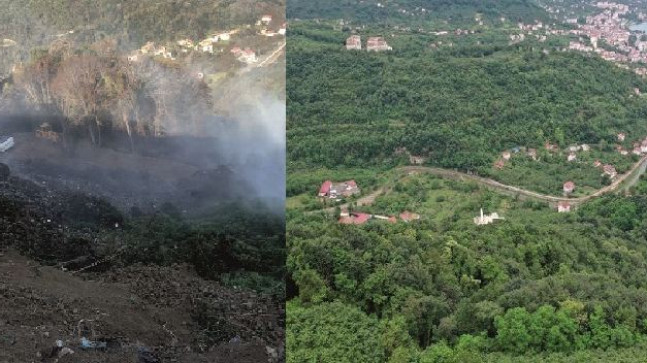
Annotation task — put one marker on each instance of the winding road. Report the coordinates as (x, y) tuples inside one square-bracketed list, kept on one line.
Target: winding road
[(491, 183)]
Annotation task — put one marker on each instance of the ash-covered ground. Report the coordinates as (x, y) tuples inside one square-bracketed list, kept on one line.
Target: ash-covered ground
[(58, 287)]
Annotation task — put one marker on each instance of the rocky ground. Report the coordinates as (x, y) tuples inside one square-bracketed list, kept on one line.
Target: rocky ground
[(123, 314)]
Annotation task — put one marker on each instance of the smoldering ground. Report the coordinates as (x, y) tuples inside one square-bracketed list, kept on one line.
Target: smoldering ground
[(238, 159)]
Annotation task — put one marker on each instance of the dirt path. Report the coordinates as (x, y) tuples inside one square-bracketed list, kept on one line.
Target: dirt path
[(516, 190), (455, 175), (272, 57)]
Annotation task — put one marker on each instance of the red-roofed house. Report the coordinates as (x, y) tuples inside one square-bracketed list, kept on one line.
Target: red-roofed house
[(499, 164), (355, 218), (563, 207), (610, 170), (377, 44), (335, 190), (569, 186), (325, 188), (408, 216), (354, 42)]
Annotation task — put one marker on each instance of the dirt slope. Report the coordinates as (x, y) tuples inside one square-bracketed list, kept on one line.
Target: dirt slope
[(163, 310)]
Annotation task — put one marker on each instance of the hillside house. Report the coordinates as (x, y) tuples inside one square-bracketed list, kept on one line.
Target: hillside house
[(377, 44), (266, 19), (636, 150), (610, 170), (621, 136), (206, 46), (6, 143), (283, 28), (160, 51), (417, 160), (585, 147), (355, 218), (337, 190), (574, 148), (551, 147), (499, 164), (407, 216), (354, 42), (324, 190), (571, 157), (643, 146), (148, 48), (569, 187), (532, 153), (247, 56), (563, 207), (221, 37), (506, 155), (486, 219)]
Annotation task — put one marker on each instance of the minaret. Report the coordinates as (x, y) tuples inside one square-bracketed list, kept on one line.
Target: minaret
[(481, 214)]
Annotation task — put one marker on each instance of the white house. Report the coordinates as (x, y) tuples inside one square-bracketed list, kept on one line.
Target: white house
[(486, 219), (6, 143)]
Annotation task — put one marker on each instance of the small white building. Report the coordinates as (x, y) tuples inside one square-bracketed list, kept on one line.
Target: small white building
[(6, 143), (486, 219)]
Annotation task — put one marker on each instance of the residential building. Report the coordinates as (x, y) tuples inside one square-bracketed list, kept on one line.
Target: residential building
[(563, 207), (377, 44), (569, 187), (354, 42)]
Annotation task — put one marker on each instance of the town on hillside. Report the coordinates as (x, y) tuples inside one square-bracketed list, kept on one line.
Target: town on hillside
[(246, 44)]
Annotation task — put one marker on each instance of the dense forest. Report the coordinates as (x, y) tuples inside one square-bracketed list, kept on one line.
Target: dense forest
[(410, 11), (445, 290), (471, 98), (537, 286)]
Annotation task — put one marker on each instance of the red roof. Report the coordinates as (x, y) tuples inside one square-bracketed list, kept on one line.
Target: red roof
[(325, 187), (355, 218), (352, 183), (569, 185), (408, 216), (392, 219)]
